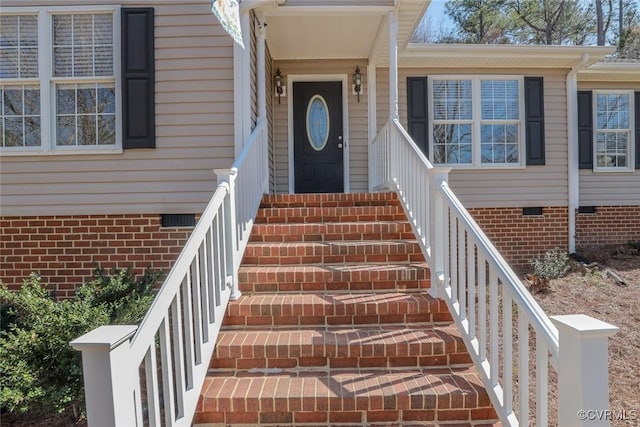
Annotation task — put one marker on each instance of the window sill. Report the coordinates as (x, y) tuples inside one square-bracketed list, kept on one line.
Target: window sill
[(613, 170)]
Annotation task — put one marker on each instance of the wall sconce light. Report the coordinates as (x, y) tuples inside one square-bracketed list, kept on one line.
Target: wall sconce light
[(357, 82), (279, 84)]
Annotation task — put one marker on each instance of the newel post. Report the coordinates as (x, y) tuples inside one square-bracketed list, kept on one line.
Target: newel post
[(228, 177), (583, 370), (438, 227), (108, 376)]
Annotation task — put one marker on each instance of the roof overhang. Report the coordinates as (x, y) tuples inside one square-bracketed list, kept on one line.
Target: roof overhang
[(611, 71), (334, 29), (500, 56)]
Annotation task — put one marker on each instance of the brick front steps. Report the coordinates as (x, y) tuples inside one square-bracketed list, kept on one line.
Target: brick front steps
[(335, 326)]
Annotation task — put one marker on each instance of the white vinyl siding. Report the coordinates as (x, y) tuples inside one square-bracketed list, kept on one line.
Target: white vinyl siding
[(531, 186), (194, 133)]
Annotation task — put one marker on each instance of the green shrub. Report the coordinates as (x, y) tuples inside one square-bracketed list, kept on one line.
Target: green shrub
[(553, 265), (40, 374)]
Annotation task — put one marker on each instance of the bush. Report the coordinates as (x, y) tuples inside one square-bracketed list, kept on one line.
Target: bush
[(40, 374), (553, 265)]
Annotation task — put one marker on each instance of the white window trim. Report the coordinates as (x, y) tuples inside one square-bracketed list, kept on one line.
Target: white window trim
[(477, 121), (631, 152), (46, 81)]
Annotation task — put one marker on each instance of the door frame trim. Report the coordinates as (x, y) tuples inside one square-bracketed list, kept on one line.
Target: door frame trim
[(345, 121)]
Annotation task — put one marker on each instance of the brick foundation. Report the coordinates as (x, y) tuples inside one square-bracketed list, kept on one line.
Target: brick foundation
[(522, 238), (608, 225), (64, 250)]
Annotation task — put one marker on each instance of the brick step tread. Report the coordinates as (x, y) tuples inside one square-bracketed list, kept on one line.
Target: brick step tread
[(341, 252), (329, 200), (318, 232), (424, 394), (330, 214), (332, 309), (348, 277), (340, 347)]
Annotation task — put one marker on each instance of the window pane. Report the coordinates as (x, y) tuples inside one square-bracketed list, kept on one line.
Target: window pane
[(62, 30), (86, 99), (104, 60), (32, 132), (13, 129), (107, 129), (9, 63), (12, 101), (87, 130), (65, 99), (63, 61), (106, 99), (83, 30), (9, 31), (18, 46), (66, 130), (83, 61), (31, 101), (452, 144)]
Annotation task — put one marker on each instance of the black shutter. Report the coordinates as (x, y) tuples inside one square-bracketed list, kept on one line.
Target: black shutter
[(417, 111), (637, 120), (138, 78), (534, 114), (585, 129)]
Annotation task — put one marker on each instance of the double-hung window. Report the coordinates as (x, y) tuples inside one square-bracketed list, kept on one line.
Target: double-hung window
[(477, 121), (59, 80), (613, 148)]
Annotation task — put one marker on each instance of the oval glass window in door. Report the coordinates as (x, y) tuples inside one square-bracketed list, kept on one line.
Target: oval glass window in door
[(317, 122)]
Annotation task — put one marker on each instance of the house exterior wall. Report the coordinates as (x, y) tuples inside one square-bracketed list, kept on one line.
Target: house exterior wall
[(609, 225), (194, 131), (607, 188), (357, 118), (62, 215), (520, 238), (65, 249)]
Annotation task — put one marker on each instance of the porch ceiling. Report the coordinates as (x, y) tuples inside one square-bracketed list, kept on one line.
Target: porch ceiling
[(338, 29)]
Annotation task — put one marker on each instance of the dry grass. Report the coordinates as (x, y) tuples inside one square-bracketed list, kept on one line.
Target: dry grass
[(591, 291)]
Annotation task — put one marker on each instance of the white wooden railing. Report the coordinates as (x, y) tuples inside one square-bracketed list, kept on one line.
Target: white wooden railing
[(153, 374), (500, 321)]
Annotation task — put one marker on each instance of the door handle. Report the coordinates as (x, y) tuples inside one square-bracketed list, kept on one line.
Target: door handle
[(340, 145)]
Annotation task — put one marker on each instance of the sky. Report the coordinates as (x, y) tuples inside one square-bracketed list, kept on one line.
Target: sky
[(437, 14)]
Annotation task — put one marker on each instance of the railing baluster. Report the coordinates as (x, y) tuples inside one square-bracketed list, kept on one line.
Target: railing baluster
[(167, 373), (507, 349), (471, 280), (542, 382), (462, 273), (205, 277), (482, 305), (178, 353), (187, 310), (212, 268), (523, 368), (453, 248), (197, 316), (153, 391), (493, 324)]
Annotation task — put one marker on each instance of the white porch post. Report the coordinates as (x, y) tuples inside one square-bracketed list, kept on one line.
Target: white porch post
[(262, 94), (228, 177), (107, 378), (583, 376), (393, 65), (437, 227), (372, 112)]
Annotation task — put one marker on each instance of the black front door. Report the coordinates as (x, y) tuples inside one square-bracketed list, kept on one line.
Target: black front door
[(317, 137)]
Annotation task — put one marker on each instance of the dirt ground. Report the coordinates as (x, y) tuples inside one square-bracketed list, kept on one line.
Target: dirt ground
[(594, 291)]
